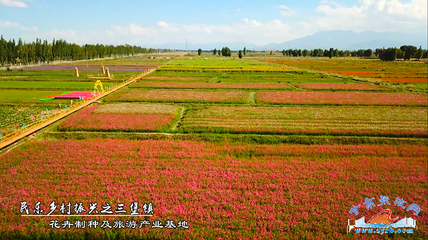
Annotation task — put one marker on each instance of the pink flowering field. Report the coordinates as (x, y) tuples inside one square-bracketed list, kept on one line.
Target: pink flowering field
[(363, 98), (192, 96), (90, 120), (348, 86), (223, 190)]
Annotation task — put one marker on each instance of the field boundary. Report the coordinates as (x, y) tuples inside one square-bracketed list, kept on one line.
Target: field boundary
[(174, 128), (251, 98), (246, 138), (36, 126)]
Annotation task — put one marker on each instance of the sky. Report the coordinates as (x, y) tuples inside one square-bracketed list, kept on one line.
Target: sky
[(149, 23)]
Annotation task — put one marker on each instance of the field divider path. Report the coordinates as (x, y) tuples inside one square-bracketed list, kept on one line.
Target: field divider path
[(251, 98), (179, 120), (40, 125), (248, 138)]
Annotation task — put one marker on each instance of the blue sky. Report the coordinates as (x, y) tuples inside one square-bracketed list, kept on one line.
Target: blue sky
[(163, 21)]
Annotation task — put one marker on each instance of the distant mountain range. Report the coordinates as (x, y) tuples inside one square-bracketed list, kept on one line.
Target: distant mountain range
[(349, 40), (343, 40)]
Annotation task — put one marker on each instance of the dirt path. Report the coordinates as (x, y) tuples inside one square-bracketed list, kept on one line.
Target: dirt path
[(179, 121), (251, 98)]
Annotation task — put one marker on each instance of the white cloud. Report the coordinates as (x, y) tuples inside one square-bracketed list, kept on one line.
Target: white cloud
[(58, 33), (134, 30), (238, 10), (253, 23), (162, 24), (375, 15), (198, 28), (8, 24), (246, 30), (165, 27), (73, 36), (286, 11), (13, 3), (66, 34)]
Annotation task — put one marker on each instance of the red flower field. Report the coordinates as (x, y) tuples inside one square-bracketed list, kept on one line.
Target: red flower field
[(350, 86), (411, 80), (211, 85), (222, 190), (174, 78), (86, 119), (363, 98), (136, 95)]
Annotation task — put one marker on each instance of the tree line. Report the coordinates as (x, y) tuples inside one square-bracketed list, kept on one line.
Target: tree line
[(44, 51), (405, 52), (226, 52)]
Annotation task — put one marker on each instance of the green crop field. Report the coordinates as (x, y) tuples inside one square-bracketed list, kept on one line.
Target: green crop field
[(327, 120), (246, 77), (25, 95), (223, 62), (59, 76), (49, 84)]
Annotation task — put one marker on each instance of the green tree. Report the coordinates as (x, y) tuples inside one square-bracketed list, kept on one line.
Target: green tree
[(400, 54), (11, 51), (419, 53), (409, 51), (199, 52), (39, 50), (215, 51), (315, 53), (346, 53), (360, 53), (295, 53), (19, 49), (326, 53), (245, 51), (240, 54), (305, 53), (330, 53), (283, 52), (368, 53), (3, 51), (225, 52), (389, 54), (377, 51), (336, 52)]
